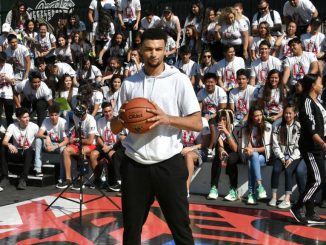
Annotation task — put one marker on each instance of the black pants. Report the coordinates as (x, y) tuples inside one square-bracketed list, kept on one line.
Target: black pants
[(141, 184), (9, 106), (40, 106), (315, 178), (231, 170), (25, 156)]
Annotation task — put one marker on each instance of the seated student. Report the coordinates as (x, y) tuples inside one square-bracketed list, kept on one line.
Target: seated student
[(88, 72), (211, 99), (18, 147), (37, 95), (287, 156), (135, 64), (226, 156), (241, 98), (87, 139), (52, 137), (254, 141), (107, 145), (195, 148)]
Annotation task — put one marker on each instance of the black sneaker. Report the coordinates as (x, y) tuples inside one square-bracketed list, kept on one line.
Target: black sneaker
[(4, 182), (298, 215), (38, 173), (63, 184), (116, 187), (76, 185), (22, 184), (315, 219)]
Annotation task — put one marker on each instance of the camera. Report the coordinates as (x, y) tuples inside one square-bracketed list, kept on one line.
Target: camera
[(80, 111)]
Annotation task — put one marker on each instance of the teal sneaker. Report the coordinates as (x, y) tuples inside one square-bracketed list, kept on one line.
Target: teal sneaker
[(251, 199), (213, 193), (232, 196), (261, 192)]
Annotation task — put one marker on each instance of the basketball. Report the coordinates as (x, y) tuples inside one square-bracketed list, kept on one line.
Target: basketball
[(135, 115)]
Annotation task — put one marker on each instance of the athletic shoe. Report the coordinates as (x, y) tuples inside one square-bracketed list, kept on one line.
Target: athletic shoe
[(213, 193), (38, 173), (232, 196), (1, 189), (251, 199), (315, 219), (22, 184), (116, 187), (63, 184), (210, 153), (4, 182), (76, 185), (284, 205), (261, 192), (272, 202), (298, 215)]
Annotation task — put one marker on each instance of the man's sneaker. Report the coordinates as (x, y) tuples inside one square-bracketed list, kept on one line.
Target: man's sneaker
[(298, 215), (4, 182), (251, 199), (272, 202), (213, 193), (38, 173), (232, 196), (261, 192), (76, 185), (22, 184), (63, 184), (116, 187), (315, 219), (284, 205)]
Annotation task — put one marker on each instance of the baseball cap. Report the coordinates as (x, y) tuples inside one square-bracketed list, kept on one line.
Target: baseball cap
[(167, 9), (5, 27)]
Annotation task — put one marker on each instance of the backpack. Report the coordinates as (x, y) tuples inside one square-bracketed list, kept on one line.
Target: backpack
[(271, 13)]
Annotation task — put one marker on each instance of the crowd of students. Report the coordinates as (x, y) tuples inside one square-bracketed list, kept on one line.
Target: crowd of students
[(247, 76)]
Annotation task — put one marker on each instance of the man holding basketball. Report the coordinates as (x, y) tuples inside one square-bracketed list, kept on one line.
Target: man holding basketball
[(152, 165)]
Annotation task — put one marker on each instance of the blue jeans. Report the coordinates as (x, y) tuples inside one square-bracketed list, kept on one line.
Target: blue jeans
[(39, 146), (255, 161)]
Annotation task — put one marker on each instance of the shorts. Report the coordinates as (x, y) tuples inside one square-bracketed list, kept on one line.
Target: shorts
[(75, 147)]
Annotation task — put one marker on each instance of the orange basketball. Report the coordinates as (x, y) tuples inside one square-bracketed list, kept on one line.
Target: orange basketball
[(135, 115)]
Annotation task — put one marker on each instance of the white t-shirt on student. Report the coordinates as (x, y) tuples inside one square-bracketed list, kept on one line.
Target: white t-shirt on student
[(190, 69), (106, 5), (313, 43), (274, 105), (299, 65), (43, 92), (190, 138), (231, 34), (128, 9), (210, 102), (228, 71), (285, 50), (88, 126), (104, 131), (22, 137), (256, 42), (144, 24), (6, 89), (301, 14), (64, 68), (95, 72), (241, 99), (17, 57), (260, 69), (45, 42), (65, 94), (268, 18), (56, 132)]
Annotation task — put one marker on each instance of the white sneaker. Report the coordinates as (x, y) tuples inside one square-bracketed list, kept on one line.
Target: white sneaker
[(232, 196), (284, 205), (1, 189), (261, 192), (213, 193), (251, 199), (272, 202)]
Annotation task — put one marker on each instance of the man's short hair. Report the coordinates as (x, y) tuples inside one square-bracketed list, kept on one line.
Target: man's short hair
[(185, 49), (154, 34), (243, 72), (106, 104), (11, 37), (21, 111), (39, 61), (265, 43), (55, 108), (34, 74), (209, 75), (295, 40)]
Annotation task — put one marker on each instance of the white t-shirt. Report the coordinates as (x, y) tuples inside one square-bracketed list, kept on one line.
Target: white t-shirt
[(95, 72), (43, 92), (260, 69), (97, 99), (132, 68), (3, 42), (228, 71), (231, 34), (301, 14), (241, 100), (190, 138), (210, 102), (6, 89), (299, 65), (285, 50), (64, 68), (210, 35), (17, 57), (144, 24), (170, 44), (22, 137), (128, 9), (104, 131), (313, 43), (268, 18), (45, 42), (56, 132), (112, 98), (106, 5), (275, 105), (88, 126), (65, 94), (65, 53), (256, 42), (174, 94), (190, 69)]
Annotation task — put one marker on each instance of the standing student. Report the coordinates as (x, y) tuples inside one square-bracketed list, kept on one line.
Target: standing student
[(152, 166), (312, 146)]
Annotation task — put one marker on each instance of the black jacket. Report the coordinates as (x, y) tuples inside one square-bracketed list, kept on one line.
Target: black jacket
[(312, 122)]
